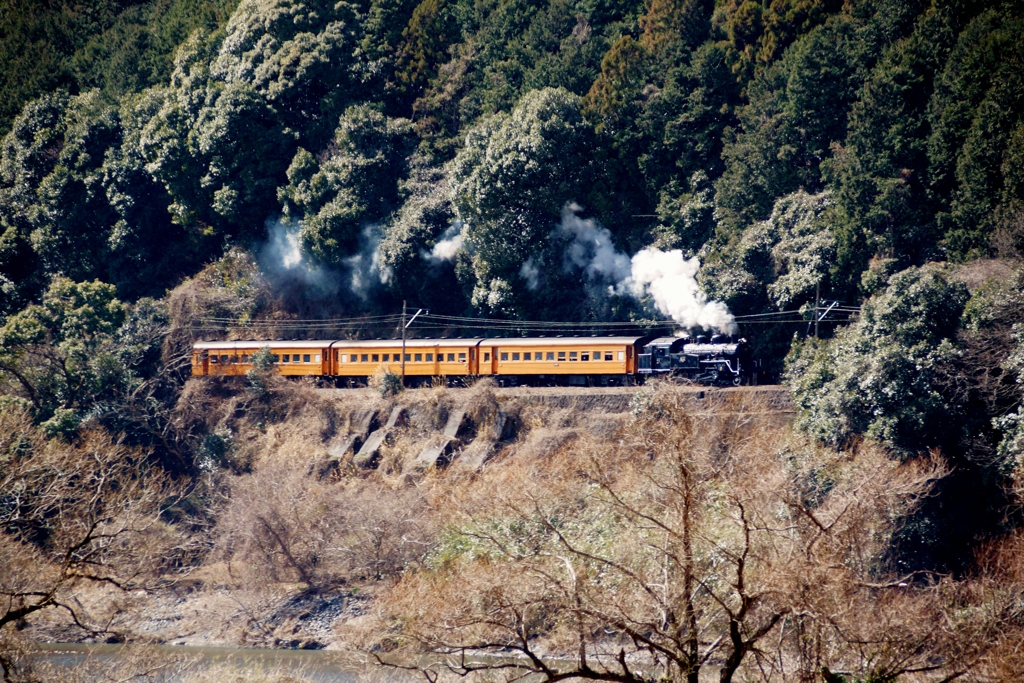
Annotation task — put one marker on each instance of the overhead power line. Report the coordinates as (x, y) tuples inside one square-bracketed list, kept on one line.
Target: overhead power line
[(433, 321)]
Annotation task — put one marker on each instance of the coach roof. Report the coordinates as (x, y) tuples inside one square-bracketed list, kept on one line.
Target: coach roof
[(562, 341)]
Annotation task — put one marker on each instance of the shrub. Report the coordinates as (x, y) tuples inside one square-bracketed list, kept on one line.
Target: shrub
[(876, 377), (386, 383)]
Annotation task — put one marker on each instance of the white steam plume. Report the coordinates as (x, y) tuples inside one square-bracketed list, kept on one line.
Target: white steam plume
[(531, 273), (666, 276), (671, 281), (365, 270), (449, 244), (282, 260), (591, 248)]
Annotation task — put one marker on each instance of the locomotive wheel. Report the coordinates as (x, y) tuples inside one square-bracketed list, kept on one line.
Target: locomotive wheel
[(736, 381)]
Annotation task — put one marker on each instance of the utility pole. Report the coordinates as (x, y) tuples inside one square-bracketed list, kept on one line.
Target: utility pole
[(817, 300), (405, 326)]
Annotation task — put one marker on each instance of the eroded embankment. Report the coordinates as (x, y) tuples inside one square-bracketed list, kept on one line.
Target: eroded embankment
[(315, 499)]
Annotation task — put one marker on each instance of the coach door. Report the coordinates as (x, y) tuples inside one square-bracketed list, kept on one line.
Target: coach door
[(492, 360)]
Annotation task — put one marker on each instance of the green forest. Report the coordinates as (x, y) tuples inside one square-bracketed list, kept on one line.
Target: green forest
[(165, 163)]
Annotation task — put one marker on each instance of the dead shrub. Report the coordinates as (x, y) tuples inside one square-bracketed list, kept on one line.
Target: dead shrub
[(282, 525), (706, 535), (76, 518)]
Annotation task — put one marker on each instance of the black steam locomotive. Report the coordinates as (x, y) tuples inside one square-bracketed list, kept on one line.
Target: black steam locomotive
[(720, 361)]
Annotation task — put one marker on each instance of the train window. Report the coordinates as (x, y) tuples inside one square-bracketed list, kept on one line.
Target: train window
[(462, 358), (451, 357), (526, 355), (515, 356), (561, 355), (375, 358), (621, 355), (572, 355), (276, 358), (608, 355), (430, 358), (419, 358), (472, 353), (285, 358), (504, 355), (408, 357), (223, 360), (365, 358), (213, 359), (384, 358), (487, 356), (551, 355), (584, 356), (316, 358), (305, 358)]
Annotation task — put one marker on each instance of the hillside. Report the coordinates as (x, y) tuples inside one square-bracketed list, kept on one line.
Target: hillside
[(838, 182)]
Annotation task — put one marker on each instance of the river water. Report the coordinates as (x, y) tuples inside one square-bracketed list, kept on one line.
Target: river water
[(183, 664)]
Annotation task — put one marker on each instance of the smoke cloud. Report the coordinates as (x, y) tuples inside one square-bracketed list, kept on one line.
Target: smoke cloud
[(591, 247), (666, 277), (365, 272), (449, 244), (282, 260), (531, 273)]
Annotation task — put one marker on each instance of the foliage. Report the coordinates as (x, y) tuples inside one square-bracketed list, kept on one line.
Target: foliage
[(972, 148), (1011, 447), (117, 46), (796, 109), (795, 147), (57, 355), (356, 184), (150, 147), (509, 182), (425, 223), (697, 120), (386, 383), (258, 376), (875, 378)]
